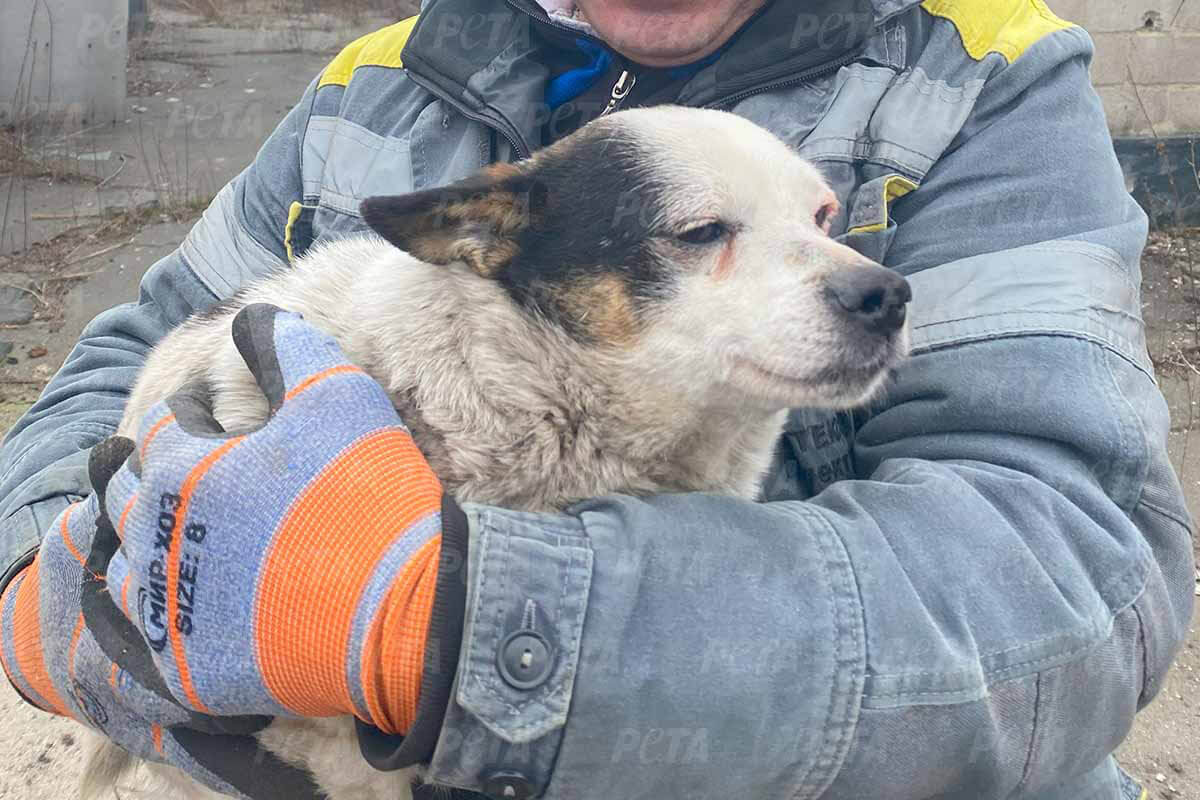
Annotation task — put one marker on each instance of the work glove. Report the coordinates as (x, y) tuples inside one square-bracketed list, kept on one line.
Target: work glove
[(56, 662), (290, 569), (287, 570)]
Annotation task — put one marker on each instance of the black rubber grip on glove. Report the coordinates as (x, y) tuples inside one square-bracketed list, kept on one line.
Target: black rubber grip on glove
[(254, 336), (117, 636), (247, 766)]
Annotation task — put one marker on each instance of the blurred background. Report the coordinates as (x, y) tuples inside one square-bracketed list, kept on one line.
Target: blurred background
[(121, 119)]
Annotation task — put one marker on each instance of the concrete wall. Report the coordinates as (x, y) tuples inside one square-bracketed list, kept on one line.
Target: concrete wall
[(1147, 67), (70, 65)]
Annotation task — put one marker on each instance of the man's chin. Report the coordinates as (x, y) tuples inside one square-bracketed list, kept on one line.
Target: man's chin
[(666, 33)]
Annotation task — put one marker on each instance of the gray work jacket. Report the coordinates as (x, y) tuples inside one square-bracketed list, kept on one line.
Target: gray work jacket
[(965, 591)]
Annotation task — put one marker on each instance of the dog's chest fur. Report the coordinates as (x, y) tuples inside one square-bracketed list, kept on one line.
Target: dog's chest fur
[(507, 411), (570, 327)]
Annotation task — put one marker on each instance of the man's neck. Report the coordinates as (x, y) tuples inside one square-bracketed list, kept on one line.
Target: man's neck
[(657, 35)]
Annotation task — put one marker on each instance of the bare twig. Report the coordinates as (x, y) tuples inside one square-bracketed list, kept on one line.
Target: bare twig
[(1178, 10), (1137, 94), (1192, 162), (120, 169), (1178, 358), (98, 253), (38, 296), (74, 134), (17, 105), (74, 275), (73, 215)]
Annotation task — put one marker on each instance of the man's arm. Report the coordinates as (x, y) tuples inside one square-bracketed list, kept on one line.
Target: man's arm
[(43, 463), (979, 615)]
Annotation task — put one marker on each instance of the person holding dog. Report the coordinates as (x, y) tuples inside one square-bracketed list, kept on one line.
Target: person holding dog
[(966, 590)]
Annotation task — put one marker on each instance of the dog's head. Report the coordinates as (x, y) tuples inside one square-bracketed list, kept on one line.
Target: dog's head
[(691, 240)]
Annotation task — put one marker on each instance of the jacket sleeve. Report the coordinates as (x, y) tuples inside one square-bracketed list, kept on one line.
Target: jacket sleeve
[(979, 614), (43, 461)]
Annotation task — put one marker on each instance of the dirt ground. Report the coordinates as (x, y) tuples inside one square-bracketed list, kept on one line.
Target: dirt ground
[(1163, 751), (91, 211)]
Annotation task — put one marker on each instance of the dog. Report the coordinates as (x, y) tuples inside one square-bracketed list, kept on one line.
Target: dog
[(631, 310)]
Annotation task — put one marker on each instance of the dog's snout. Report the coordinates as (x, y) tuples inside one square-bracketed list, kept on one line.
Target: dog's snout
[(875, 297)]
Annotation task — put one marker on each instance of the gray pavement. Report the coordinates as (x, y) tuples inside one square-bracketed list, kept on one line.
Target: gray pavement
[(202, 99)]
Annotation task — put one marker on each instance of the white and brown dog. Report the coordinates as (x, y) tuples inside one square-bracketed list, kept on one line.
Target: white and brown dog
[(631, 310)]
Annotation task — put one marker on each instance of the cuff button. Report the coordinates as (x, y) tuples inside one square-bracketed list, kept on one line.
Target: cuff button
[(508, 786), (525, 660)]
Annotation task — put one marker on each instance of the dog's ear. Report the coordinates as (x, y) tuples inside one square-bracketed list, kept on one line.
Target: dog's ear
[(478, 220)]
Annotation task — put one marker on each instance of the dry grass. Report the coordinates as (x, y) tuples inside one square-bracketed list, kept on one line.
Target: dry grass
[(17, 158), (13, 159), (71, 256)]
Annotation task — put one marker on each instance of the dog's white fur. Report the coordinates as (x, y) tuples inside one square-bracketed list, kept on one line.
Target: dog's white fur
[(512, 410)]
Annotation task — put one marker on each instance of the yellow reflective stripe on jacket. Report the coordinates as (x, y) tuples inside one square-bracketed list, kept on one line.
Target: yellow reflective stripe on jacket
[(380, 48), (895, 187), (1007, 27), (293, 215)]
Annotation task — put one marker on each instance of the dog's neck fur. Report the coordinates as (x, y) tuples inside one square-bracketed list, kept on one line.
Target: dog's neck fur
[(513, 412)]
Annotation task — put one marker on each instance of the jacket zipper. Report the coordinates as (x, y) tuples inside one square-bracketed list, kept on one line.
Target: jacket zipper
[(557, 26), (807, 75), (513, 138), (794, 80), (620, 91)]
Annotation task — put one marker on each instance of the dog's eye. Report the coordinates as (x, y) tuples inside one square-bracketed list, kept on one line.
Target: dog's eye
[(704, 234)]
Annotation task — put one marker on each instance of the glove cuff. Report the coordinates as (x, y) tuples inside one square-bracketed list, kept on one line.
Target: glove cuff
[(17, 567), (388, 752), (10, 574)]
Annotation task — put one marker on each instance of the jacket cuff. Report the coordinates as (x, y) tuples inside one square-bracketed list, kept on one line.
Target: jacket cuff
[(529, 577), (391, 752), (21, 535)]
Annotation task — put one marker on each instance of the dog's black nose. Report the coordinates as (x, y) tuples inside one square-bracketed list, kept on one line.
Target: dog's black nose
[(876, 297)]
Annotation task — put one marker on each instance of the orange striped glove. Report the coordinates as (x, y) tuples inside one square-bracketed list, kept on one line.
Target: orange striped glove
[(56, 662), (289, 570)]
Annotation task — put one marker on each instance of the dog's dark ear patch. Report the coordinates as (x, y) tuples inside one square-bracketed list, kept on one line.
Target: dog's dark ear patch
[(478, 220)]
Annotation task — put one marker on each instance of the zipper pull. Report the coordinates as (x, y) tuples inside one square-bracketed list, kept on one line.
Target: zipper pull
[(620, 91)]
